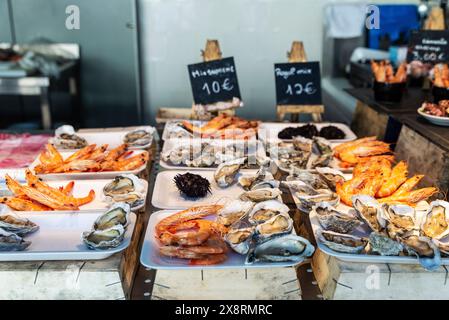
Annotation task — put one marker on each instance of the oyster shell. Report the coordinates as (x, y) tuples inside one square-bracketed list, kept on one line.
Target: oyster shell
[(401, 220), (116, 215), (260, 195), (313, 180), (342, 242), (17, 225), (267, 184), (309, 197), (104, 239), (233, 211), (139, 137), (370, 211), (240, 239), (282, 248), (279, 224), (248, 181), (333, 220), (12, 242), (383, 245), (125, 188), (226, 172), (427, 252), (330, 176), (324, 154), (436, 220), (265, 210), (66, 138)]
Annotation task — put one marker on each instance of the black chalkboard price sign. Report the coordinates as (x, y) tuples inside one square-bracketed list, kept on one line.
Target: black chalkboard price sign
[(298, 83), (429, 46), (214, 81)]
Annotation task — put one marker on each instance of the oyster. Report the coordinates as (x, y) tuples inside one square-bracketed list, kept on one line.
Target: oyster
[(309, 197), (248, 181), (370, 212), (331, 176), (267, 184), (233, 211), (313, 180), (125, 188), (260, 195), (66, 138), (324, 153), (436, 220), (265, 210), (333, 220), (139, 137), (342, 242), (279, 224), (443, 245), (226, 172), (104, 239), (401, 220), (239, 239), (16, 225), (427, 252), (384, 245), (282, 248), (12, 242), (116, 215)]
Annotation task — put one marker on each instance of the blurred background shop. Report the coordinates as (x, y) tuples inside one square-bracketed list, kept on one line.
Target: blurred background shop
[(129, 57)]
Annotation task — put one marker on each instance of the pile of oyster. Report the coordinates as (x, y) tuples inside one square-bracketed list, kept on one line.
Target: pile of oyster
[(108, 229), (259, 224), (140, 137), (65, 138), (125, 188), (12, 231), (313, 189), (302, 153), (388, 230), (206, 154)]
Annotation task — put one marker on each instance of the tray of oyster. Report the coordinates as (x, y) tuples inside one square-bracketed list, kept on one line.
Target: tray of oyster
[(66, 235)]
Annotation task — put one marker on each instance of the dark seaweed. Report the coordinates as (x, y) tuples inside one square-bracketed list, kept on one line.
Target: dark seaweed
[(307, 131), (332, 133), (192, 185)]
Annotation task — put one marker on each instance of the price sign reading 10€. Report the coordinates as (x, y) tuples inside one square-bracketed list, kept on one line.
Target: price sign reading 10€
[(214, 81), (298, 83)]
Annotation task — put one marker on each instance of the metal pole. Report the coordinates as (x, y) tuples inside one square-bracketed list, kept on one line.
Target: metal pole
[(11, 22)]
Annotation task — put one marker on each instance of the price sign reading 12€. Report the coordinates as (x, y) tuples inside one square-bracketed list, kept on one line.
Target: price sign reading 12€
[(214, 81), (298, 83)]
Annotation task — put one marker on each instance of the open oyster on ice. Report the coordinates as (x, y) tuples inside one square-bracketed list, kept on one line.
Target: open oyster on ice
[(125, 188), (340, 242), (233, 211), (66, 138), (282, 248), (370, 211), (104, 239), (118, 214), (239, 238), (226, 172), (309, 197), (19, 226), (401, 220), (260, 195), (139, 137), (264, 211), (436, 220), (248, 181), (334, 220)]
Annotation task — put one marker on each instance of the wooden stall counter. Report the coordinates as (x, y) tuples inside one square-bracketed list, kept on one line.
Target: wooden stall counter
[(373, 118)]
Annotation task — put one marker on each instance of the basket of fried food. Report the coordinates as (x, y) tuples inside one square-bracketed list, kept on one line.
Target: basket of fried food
[(37, 195), (388, 85), (440, 88), (91, 159), (378, 178)]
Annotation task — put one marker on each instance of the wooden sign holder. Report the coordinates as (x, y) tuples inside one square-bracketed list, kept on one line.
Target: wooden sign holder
[(210, 53), (297, 54)]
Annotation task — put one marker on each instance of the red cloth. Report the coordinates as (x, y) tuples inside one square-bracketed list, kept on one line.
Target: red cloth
[(20, 150)]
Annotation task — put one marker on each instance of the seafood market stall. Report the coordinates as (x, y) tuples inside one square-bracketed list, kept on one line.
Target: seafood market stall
[(76, 234)]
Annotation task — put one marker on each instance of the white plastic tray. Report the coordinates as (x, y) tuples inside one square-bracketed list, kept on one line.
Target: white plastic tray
[(82, 188), (167, 196), (85, 175), (151, 258), (255, 149), (59, 238), (360, 258), (167, 134), (112, 138), (268, 131)]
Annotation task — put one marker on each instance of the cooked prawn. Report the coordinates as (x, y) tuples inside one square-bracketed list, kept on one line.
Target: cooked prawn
[(20, 204), (398, 176), (411, 197)]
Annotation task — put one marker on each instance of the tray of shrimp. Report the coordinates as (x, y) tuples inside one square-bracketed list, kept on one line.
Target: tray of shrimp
[(236, 234), (89, 162), (220, 127), (36, 195)]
